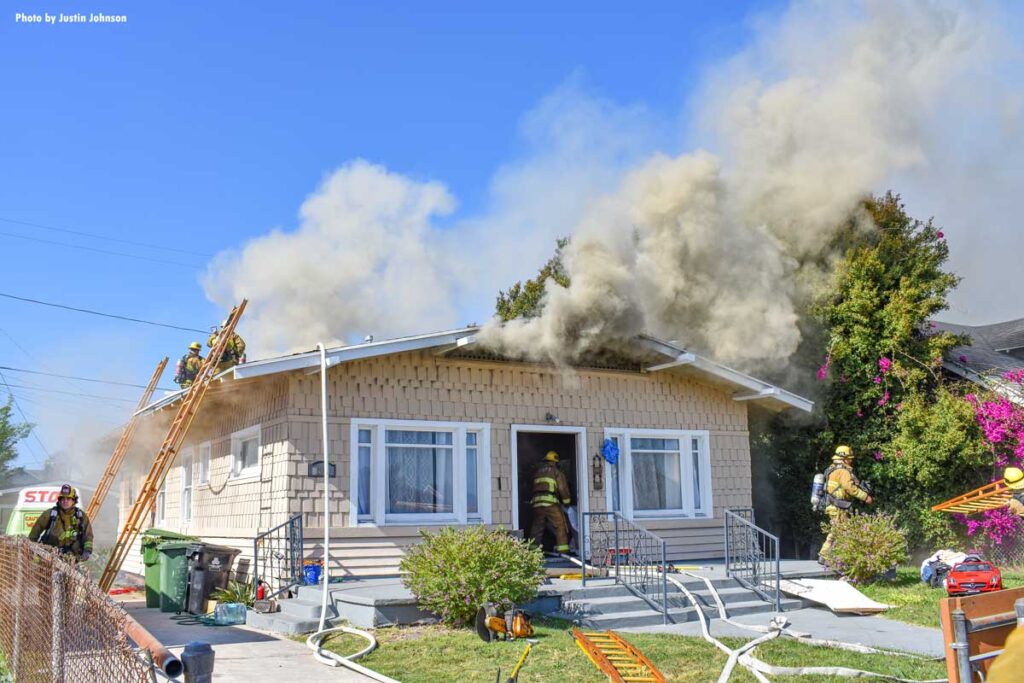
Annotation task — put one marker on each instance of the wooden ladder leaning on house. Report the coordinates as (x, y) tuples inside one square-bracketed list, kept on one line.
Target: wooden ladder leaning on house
[(169, 450), (117, 457)]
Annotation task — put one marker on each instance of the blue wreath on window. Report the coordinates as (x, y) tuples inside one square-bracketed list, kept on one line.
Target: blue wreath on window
[(610, 451)]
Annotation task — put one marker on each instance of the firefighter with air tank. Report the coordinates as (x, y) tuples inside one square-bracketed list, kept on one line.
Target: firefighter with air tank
[(839, 488), (550, 492), (65, 526)]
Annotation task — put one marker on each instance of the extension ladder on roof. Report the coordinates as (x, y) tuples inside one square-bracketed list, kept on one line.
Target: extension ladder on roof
[(616, 658), (987, 497), (117, 457), (168, 450)]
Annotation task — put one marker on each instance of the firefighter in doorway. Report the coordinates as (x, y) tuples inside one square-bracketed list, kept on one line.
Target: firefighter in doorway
[(549, 490)]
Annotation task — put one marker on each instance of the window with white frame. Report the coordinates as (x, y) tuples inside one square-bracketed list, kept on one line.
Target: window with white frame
[(245, 453), (161, 503), (420, 472), (186, 486), (204, 463), (661, 473)]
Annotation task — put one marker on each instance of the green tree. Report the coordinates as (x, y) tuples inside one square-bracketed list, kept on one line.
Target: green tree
[(524, 300), (11, 433)]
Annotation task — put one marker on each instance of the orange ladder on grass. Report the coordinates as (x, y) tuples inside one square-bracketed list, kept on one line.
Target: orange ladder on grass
[(616, 658), (117, 457), (169, 450)]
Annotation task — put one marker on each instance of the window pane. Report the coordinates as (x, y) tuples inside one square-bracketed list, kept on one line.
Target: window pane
[(419, 479), (656, 482), (186, 473), (471, 438), (394, 436), (364, 436), (248, 457), (654, 444), (613, 480), (695, 454), (364, 480), (204, 464), (471, 483)]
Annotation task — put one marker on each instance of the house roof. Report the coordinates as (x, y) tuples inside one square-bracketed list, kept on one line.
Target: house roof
[(671, 358), (995, 349)]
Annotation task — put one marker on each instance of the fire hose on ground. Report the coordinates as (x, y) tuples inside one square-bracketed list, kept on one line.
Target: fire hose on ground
[(315, 641)]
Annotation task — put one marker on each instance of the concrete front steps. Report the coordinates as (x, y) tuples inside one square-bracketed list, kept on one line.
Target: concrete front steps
[(611, 606), (296, 615)]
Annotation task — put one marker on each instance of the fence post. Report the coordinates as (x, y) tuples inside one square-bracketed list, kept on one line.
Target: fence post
[(664, 582), (19, 605), (57, 629), (961, 647)]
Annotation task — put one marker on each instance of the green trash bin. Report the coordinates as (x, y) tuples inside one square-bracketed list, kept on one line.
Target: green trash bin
[(151, 538), (174, 557)]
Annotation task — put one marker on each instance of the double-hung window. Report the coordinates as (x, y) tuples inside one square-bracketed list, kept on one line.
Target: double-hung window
[(406, 472), (245, 453), (661, 473)]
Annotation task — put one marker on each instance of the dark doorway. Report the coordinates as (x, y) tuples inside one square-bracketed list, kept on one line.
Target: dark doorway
[(531, 447)]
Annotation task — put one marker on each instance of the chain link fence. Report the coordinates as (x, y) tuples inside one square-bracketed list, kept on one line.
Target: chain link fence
[(56, 625)]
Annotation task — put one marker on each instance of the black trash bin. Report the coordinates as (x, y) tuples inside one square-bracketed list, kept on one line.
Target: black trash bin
[(209, 570)]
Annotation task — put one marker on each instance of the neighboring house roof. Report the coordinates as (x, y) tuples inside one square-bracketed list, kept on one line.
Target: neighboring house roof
[(668, 356), (995, 349)]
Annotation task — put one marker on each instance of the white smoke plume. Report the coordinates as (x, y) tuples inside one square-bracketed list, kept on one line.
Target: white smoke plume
[(717, 249)]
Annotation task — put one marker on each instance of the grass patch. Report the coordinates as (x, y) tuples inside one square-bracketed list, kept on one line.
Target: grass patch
[(429, 654), (914, 602)]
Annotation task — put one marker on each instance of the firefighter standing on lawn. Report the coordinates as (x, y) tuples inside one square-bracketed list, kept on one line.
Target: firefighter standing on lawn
[(841, 488), (550, 491), (188, 366), (65, 526)]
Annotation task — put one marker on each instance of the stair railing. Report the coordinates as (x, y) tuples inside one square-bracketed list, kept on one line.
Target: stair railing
[(277, 557), (752, 555), (634, 556)]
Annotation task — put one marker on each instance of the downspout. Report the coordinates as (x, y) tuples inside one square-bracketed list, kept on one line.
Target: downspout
[(327, 494)]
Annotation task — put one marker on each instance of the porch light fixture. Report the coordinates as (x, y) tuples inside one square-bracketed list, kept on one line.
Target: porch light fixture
[(552, 418)]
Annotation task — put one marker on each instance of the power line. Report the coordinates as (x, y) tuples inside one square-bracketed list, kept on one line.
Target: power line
[(69, 393), (81, 379), (109, 252), (105, 315), (27, 421), (104, 237)]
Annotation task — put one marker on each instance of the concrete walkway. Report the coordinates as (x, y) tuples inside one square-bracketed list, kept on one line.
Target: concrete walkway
[(242, 654), (873, 631)]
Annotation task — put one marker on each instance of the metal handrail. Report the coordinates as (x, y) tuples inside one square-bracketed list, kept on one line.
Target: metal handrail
[(634, 556), (285, 563), (752, 555)]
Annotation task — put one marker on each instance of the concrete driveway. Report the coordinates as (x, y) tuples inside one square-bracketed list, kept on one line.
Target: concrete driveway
[(241, 654)]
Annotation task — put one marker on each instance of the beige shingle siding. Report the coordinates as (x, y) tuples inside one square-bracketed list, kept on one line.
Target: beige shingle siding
[(423, 386)]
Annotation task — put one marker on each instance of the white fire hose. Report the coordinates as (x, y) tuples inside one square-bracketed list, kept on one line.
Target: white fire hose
[(315, 640)]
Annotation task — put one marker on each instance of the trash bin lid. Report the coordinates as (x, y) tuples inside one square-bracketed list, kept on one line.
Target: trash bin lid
[(156, 536), (190, 546)]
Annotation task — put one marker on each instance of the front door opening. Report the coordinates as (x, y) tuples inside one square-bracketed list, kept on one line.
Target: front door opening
[(531, 447)]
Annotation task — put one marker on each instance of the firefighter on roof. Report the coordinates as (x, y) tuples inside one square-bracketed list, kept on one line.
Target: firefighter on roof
[(234, 350), (549, 490), (65, 526), (1014, 478), (841, 488), (188, 366)]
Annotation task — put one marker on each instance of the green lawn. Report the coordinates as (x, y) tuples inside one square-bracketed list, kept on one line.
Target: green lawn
[(434, 654), (914, 602)]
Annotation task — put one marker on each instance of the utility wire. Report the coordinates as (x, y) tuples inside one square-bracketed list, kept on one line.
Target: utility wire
[(104, 237), (105, 315), (100, 251), (81, 379), (27, 421), (69, 393)]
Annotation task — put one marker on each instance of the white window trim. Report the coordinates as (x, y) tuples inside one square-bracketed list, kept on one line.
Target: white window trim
[(236, 444), (625, 465), (160, 506), (378, 471), (187, 460), (205, 455)]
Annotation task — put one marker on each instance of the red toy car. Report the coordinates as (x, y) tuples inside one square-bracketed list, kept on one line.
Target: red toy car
[(973, 575)]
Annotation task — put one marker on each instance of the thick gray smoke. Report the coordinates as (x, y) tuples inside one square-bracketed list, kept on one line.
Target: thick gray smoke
[(827, 106), (717, 249)]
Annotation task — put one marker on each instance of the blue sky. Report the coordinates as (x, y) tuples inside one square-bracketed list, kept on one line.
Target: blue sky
[(197, 127)]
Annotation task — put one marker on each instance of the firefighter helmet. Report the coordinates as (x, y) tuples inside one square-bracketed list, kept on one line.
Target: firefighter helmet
[(1014, 478), (195, 346), (843, 453), (551, 456), (69, 491)]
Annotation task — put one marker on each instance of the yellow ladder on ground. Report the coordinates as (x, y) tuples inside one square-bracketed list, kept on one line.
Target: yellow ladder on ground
[(169, 450), (616, 658), (117, 457)]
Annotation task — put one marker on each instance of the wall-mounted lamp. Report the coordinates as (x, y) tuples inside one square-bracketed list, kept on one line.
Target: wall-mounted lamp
[(551, 417), (598, 472)]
